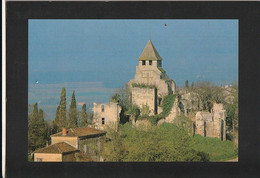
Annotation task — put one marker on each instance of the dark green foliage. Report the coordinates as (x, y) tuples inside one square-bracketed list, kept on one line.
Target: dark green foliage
[(73, 115), (60, 119), (84, 116), (232, 115), (115, 98), (167, 105), (134, 111), (142, 85), (36, 129), (192, 86), (187, 84), (123, 97)]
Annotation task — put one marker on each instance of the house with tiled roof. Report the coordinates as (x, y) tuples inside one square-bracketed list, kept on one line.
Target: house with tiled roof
[(64, 145), (57, 152)]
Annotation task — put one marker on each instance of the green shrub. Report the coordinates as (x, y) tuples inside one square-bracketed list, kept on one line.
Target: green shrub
[(167, 105), (142, 85)]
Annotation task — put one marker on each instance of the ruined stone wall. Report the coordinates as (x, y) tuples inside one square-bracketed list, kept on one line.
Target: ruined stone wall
[(110, 112), (212, 124), (219, 115), (144, 96)]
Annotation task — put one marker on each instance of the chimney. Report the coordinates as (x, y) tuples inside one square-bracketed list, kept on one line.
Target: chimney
[(64, 131)]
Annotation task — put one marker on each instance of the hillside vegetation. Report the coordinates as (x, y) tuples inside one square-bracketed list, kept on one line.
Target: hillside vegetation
[(166, 142)]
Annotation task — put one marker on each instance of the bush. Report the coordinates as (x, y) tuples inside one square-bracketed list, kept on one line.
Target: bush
[(167, 105), (142, 85)]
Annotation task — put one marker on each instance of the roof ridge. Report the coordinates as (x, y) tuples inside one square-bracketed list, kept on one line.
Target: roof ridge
[(70, 144)]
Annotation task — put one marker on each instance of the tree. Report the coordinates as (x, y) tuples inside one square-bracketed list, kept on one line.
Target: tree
[(207, 94), (73, 115), (62, 121), (84, 116), (192, 86), (55, 121), (187, 84), (123, 97), (36, 130), (232, 113)]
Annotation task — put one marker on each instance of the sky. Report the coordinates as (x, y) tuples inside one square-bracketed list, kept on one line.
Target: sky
[(95, 57)]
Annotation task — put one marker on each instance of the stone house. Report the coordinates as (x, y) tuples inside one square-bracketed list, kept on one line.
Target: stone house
[(211, 124), (65, 144), (150, 83), (106, 115), (57, 152)]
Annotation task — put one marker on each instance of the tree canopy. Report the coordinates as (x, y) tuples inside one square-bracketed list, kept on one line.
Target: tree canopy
[(73, 113)]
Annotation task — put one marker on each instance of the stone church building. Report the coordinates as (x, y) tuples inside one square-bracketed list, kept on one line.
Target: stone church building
[(150, 83)]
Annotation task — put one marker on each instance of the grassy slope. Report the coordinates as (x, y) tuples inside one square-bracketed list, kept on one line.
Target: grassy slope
[(218, 150)]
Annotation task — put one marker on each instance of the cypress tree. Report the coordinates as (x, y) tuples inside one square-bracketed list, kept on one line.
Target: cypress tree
[(84, 116), (55, 121), (73, 118), (192, 85), (62, 121), (36, 131), (186, 84)]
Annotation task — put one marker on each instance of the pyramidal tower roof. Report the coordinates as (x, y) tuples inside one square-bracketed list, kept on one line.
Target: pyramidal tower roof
[(150, 53)]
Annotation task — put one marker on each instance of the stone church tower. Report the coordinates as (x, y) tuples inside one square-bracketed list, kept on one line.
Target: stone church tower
[(150, 83)]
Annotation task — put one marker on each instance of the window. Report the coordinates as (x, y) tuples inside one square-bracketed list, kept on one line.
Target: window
[(102, 108), (103, 121), (150, 62), (39, 159), (143, 63)]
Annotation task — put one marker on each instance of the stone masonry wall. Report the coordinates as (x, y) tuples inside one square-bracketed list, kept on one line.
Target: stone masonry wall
[(110, 112), (144, 96)]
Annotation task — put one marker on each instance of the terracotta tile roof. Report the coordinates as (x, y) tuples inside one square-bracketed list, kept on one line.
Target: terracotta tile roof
[(58, 148), (81, 132), (150, 53)]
